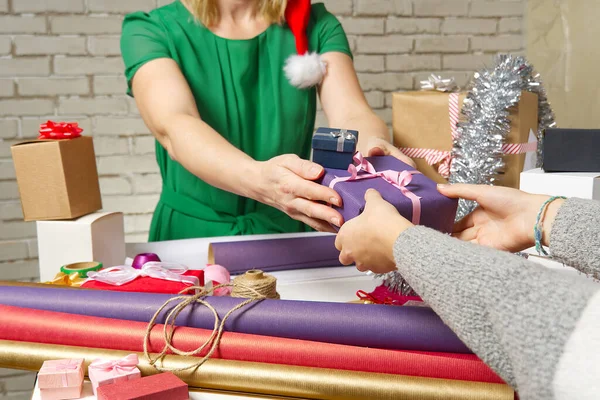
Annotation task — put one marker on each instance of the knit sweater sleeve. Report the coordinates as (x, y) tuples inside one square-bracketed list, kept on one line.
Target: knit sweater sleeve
[(575, 236), (514, 314)]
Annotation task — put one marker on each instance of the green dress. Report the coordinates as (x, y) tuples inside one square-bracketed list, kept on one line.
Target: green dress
[(241, 91)]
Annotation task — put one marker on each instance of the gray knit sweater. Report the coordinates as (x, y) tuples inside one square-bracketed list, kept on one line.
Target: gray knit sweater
[(539, 329)]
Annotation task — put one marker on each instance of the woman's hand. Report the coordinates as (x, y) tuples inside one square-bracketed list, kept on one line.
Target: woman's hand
[(368, 240), (505, 217), (285, 183), (381, 147)]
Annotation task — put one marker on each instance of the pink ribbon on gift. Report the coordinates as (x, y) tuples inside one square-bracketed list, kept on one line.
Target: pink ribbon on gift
[(121, 275), (398, 179), (62, 366), (123, 366)]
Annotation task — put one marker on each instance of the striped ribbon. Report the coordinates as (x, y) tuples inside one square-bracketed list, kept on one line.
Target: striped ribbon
[(444, 158)]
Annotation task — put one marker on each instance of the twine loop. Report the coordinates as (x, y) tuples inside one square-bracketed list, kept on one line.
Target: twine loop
[(254, 286)]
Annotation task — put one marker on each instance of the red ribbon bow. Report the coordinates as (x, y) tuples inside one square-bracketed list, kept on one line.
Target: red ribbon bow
[(60, 130)]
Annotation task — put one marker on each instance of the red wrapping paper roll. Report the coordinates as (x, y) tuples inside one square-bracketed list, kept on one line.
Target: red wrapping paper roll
[(29, 325)]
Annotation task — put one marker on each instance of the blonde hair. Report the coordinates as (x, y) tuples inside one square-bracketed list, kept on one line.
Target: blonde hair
[(207, 11)]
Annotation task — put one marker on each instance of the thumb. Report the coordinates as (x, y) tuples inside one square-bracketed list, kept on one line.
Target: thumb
[(372, 195), (378, 151)]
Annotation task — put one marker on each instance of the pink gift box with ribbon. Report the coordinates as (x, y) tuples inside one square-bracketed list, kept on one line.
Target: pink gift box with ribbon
[(61, 374), (106, 372)]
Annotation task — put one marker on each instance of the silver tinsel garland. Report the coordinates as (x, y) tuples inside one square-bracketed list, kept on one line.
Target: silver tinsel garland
[(477, 151)]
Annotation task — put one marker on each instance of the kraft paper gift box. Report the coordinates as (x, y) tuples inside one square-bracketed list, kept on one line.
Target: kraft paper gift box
[(436, 210), (57, 179), (421, 120), (571, 150), (154, 387), (107, 372), (334, 148), (95, 237), (61, 379)]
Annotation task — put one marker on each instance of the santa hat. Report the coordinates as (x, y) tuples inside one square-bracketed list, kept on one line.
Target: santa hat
[(303, 69)]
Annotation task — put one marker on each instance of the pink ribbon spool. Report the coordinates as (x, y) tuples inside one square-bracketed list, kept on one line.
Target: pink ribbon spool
[(141, 259)]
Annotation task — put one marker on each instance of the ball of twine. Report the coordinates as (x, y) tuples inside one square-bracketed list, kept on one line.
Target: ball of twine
[(254, 281), (254, 285)]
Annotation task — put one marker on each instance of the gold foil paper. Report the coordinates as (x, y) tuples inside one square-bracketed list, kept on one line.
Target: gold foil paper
[(270, 379)]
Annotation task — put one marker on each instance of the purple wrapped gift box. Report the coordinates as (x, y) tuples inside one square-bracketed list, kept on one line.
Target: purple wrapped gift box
[(437, 211)]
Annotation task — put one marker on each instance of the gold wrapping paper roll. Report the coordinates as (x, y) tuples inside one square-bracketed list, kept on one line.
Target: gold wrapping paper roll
[(272, 379)]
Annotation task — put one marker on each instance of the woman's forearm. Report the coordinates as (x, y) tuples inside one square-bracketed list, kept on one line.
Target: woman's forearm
[(206, 154)]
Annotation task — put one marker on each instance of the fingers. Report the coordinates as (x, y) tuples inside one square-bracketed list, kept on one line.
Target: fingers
[(465, 223), (346, 258), (464, 191), (301, 188), (303, 168), (318, 225), (316, 211), (467, 235), (383, 148)]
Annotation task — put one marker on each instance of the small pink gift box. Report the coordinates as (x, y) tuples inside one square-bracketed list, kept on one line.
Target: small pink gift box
[(106, 372), (65, 393), (61, 374)]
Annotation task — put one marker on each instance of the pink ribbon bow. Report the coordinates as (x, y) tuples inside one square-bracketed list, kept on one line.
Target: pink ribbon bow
[(121, 275), (123, 366), (62, 366), (398, 179)]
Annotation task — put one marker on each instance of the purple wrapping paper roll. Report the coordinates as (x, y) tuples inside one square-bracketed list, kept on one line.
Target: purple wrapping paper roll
[(374, 325), (276, 254), (437, 211)]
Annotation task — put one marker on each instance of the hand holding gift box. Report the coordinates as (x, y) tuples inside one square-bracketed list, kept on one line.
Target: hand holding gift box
[(414, 195), (61, 379), (106, 372)]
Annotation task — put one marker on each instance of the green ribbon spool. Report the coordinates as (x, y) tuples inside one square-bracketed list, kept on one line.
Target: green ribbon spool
[(82, 268)]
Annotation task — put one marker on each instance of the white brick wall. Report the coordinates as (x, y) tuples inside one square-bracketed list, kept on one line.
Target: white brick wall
[(60, 59)]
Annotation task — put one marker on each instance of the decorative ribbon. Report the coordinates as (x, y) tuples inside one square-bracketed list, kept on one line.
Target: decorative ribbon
[(62, 279), (435, 82), (398, 179), (217, 275), (342, 135), (123, 366), (60, 130), (62, 366), (444, 158), (121, 275)]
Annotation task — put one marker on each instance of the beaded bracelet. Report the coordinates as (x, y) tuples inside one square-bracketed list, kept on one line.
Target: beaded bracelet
[(537, 229)]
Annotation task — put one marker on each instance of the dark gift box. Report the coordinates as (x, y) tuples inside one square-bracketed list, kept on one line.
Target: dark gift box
[(413, 194), (334, 148), (571, 150)]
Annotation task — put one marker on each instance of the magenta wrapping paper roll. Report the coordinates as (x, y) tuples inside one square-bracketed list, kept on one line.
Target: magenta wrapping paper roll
[(365, 325), (276, 254)]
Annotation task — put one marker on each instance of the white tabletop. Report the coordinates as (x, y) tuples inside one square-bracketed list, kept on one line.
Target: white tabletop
[(335, 284)]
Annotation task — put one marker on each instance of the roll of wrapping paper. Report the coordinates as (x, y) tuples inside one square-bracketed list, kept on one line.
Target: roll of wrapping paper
[(274, 379), (275, 254), (366, 325), (29, 325)]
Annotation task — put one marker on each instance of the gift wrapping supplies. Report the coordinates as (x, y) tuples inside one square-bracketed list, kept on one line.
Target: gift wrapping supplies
[(61, 379)]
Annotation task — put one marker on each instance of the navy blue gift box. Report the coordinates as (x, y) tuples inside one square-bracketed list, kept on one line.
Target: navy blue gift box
[(334, 148)]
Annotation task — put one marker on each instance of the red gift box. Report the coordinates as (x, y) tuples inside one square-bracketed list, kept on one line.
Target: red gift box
[(148, 285), (154, 387)]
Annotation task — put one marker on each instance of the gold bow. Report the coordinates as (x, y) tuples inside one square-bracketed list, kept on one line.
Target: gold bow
[(62, 279)]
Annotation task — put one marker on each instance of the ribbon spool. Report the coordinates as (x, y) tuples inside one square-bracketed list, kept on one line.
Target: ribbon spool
[(82, 268), (141, 259), (254, 281)]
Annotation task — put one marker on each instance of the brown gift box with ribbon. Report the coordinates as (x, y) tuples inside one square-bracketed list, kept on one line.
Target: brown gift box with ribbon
[(422, 123), (57, 176)]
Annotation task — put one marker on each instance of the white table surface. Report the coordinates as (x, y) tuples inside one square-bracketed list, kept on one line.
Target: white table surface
[(335, 284)]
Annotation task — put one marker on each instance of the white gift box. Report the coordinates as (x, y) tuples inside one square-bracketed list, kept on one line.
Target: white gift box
[(584, 185), (97, 237)]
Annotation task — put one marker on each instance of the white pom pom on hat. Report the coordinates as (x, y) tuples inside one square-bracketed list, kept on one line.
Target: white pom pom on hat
[(304, 69)]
